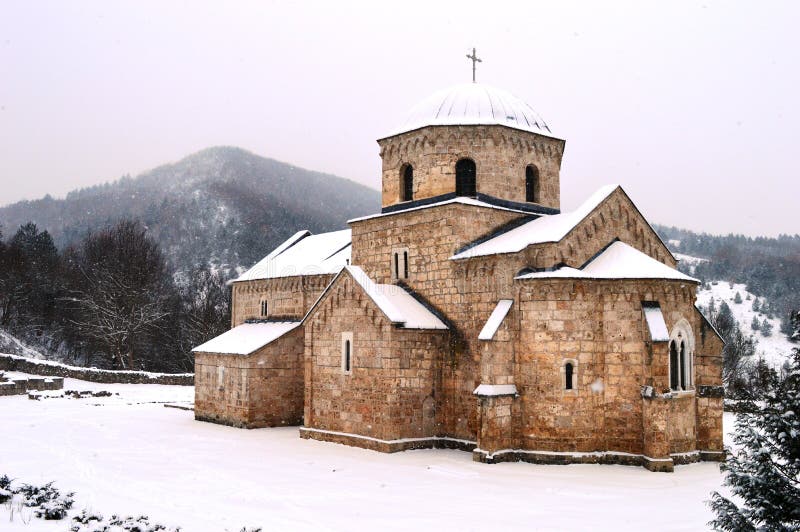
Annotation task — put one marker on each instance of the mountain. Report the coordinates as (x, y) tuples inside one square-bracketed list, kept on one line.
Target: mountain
[(222, 206)]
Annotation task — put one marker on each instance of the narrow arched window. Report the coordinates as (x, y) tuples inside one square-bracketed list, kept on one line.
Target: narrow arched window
[(532, 184), (673, 366), (347, 352), (465, 177), (264, 308), (407, 183), (684, 384), (569, 370)]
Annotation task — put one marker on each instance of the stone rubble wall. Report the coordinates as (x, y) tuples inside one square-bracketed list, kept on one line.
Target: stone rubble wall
[(17, 386), (54, 369)]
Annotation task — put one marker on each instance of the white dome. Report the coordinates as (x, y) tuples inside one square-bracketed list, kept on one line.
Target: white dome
[(473, 104)]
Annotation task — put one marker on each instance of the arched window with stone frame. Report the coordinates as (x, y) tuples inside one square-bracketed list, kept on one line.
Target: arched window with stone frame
[(681, 357), (532, 184), (264, 308), (406, 182), (466, 178), (569, 374)]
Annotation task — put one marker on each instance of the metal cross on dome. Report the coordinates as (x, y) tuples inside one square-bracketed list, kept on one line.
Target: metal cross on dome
[(475, 59)]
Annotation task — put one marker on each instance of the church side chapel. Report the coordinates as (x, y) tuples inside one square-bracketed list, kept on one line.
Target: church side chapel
[(472, 313)]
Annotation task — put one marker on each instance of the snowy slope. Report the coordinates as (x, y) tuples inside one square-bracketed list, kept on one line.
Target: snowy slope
[(14, 346), (128, 454), (774, 349)]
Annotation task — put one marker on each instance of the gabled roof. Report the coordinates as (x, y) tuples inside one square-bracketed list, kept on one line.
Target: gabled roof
[(303, 254), (246, 338), (399, 307), (617, 261), (547, 228)]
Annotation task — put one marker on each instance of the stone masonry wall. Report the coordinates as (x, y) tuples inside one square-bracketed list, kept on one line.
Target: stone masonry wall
[(55, 369), (390, 391), (287, 297), (264, 389), (501, 155), (599, 325), (432, 236)]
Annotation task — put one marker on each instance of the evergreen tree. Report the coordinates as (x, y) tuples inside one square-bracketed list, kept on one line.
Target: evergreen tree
[(756, 305), (755, 324), (766, 328), (737, 298), (764, 469)]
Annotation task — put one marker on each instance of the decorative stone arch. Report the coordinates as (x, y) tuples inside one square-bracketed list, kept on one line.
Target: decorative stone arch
[(569, 375), (681, 356)]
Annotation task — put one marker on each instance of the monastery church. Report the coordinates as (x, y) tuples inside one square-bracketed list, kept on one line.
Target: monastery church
[(472, 313)]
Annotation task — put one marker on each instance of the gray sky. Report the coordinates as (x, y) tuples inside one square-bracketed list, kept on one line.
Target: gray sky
[(692, 107)]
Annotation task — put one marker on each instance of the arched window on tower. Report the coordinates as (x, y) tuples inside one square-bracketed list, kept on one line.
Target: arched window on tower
[(465, 178), (532, 184), (407, 183)]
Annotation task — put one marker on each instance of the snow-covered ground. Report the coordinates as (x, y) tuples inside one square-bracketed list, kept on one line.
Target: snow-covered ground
[(775, 349), (128, 454)]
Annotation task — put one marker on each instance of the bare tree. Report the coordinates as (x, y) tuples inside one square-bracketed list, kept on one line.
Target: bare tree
[(118, 290)]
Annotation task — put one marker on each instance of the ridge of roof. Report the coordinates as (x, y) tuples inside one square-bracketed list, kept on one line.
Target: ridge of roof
[(618, 261), (463, 200), (544, 229), (301, 254)]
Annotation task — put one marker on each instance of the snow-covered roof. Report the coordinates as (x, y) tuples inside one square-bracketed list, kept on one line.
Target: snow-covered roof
[(655, 322), (463, 200), (617, 261), (547, 228), (399, 306), (473, 104), (493, 390), (246, 338), (303, 254), (495, 319)]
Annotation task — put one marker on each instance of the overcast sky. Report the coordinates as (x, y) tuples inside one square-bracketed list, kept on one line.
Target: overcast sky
[(693, 107)]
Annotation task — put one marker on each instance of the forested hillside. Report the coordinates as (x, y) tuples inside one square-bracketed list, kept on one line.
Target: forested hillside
[(221, 206), (770, 267)]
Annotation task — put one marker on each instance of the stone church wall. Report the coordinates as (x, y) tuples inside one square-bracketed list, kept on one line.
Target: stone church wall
[(501, 155), (432, 236), (598, 325), (287, 297), (389, 393), (264, 389)]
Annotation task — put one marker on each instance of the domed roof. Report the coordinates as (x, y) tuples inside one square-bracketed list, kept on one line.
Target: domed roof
[(473, 104)]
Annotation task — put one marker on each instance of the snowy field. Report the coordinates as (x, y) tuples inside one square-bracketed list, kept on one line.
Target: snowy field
[(128, 454), (775, 349)]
